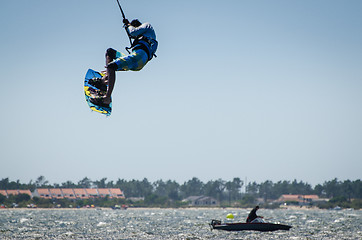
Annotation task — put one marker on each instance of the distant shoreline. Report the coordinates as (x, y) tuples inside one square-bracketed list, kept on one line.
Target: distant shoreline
[(188, 208)]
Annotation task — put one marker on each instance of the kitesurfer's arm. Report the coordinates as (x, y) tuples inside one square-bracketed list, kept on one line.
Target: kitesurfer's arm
[(136, 31)]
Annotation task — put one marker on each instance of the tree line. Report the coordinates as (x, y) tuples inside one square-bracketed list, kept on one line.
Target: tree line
[(329, 189), (223, 191)]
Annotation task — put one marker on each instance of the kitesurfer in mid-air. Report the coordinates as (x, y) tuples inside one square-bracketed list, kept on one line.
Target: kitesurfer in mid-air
[(143, 49)]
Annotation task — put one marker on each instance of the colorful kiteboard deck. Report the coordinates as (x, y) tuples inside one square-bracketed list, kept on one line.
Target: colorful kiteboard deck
[(92, 92)]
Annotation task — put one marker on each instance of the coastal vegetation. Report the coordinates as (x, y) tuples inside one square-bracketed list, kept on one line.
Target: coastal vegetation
[(143, 193)]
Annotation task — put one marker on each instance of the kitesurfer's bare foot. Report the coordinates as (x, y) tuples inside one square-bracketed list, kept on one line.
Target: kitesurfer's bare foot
[(98, 83), (105, 79), (99, 102), (106, 100)]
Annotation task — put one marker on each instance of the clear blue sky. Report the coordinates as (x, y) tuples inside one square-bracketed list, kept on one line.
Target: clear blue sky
[(268, 90)]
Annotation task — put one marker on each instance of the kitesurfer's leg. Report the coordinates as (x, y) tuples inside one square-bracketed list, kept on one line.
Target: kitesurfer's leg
[(111, 73), (110, 76), (110, 57), (135, 62)]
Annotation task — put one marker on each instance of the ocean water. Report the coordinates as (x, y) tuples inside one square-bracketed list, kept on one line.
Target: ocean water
[(189, 224)]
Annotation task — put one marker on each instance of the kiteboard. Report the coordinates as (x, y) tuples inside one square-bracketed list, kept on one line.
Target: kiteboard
[(94, 89)]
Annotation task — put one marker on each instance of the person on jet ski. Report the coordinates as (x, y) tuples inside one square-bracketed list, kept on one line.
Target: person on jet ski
[(253, 218)]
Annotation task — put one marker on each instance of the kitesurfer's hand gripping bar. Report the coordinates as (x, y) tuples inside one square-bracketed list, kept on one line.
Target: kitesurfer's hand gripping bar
[(125, 26)]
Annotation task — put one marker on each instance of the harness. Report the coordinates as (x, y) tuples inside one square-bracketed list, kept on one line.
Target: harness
[(146, 44)]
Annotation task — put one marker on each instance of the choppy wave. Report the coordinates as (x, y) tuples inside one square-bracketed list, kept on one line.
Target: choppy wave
[(171, 224)]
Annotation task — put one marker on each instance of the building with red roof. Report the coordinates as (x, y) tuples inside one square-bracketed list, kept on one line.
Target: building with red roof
[(42, 193), (56, 193), (3, 192), (69, 193), (116, 193), (92, 192), (80, 193), (298, 198), (104, 192)]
